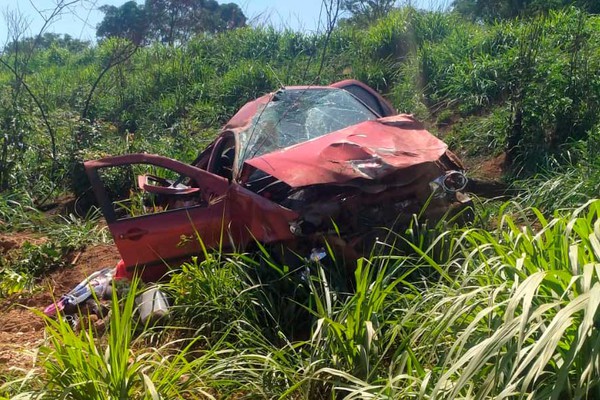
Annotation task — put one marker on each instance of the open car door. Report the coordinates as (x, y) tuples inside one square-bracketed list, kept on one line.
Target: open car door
[(176, 210)]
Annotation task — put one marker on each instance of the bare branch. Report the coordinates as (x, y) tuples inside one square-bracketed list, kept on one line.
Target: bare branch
[(332, 12), (16, 24), (120, 54)]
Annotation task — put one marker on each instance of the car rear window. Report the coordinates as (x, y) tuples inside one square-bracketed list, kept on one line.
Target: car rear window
[(296, 115)]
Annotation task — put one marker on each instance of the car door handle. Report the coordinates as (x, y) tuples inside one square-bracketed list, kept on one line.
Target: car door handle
[(133, 234)]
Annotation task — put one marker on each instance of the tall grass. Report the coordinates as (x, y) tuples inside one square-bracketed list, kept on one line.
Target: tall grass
[(511, 312), (521, 318), (508, 311), (516, 317), (118, 365)]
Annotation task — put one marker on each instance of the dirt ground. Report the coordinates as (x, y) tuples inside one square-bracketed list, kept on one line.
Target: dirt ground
[(21, 330), (486, 168)]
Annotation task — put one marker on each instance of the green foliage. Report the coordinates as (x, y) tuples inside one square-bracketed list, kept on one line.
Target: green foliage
[(488, 10), (247, 80), (175, 22), (37, 259), (364, 12), (21, 266), (52, 240), (12, 281), (127, 21), (539, 323), (514, 299), (541, 68), (78, 366), (47, 41), (18, 213), (483, 135), (565, 184), (169, 22), (355, 330), (221, 298), (210, 296)]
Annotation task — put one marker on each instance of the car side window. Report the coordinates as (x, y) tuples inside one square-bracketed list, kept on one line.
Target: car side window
[(367, 98), (144, 189)]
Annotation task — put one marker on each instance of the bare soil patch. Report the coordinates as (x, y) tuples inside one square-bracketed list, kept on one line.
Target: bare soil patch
[(21, 329), (15, 240), (492, 169)]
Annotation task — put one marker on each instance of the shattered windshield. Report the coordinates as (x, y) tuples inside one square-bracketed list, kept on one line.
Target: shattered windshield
[(297, 115)]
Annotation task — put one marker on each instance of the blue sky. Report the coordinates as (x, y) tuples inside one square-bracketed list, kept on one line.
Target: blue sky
[(81, 21)]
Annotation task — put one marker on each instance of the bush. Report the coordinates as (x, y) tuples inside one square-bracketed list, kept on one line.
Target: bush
[(243, 82)]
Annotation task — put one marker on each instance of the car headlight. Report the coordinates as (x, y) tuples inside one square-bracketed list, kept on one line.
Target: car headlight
[(451, 182)]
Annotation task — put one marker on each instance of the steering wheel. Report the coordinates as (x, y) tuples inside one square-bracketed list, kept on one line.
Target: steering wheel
[(164, 186)]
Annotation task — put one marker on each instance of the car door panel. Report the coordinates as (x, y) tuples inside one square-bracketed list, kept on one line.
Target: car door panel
[(166, 235)]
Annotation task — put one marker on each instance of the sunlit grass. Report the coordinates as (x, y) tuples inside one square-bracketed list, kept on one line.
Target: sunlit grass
[(511, 311)]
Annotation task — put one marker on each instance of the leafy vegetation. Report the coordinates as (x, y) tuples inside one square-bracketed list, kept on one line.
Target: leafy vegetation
[(168, 21), (56, 238), (521, 299), (504, 308), (531, 83), (500, 9)]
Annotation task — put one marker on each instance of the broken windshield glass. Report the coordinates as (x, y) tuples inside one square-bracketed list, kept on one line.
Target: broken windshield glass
[(296, 115)]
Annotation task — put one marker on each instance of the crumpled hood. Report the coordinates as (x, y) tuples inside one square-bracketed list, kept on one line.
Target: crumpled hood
[(369, 150)]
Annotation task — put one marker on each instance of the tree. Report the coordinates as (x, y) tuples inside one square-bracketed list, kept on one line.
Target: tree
[(114, 51), (45, 42), (127, 21), (231, 16), (176, 21), (365, 11), (168, 21)]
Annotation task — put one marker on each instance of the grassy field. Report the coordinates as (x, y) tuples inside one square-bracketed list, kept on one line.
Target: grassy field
[(473, 312), (504, 307)]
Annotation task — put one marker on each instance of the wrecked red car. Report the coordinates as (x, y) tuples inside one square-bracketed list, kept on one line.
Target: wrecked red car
[(292, 169)]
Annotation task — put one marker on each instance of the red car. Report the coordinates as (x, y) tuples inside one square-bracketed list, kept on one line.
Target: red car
[(292, 170)]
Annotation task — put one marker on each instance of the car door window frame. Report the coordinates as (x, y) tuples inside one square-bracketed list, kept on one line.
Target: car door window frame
[(216, 185)]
